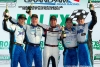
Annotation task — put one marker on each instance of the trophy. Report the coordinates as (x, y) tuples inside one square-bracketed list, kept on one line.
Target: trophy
[(91, 5), (6, 15), (63, 32), (29, 9)]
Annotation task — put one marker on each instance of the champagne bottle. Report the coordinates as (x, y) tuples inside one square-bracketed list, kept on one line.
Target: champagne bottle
[(6, 12), (63, 32), (90, 5), (29, 9)]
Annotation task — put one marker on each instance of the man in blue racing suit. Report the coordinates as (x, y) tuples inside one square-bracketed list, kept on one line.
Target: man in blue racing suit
[(70, 45), (34, 33), (82, 37), (33, 50), (18, 53)]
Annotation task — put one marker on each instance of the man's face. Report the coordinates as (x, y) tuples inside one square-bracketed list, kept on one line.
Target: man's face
[(69, 24), (21, 21), (34, 21), (80, 21), (53, 22)]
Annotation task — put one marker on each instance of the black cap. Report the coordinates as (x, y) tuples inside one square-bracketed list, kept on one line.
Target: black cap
[(68, 19), (22, 16), (53, 17), (34, 15), (79, 17)]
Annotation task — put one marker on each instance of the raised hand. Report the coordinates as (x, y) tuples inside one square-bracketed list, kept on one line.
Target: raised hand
[(28, 11), (6, 13), (91, 6)]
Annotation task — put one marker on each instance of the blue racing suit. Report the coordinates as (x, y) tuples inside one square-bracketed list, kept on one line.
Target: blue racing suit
[(33, 49), (70, 48), (18, 54), (82, 37)]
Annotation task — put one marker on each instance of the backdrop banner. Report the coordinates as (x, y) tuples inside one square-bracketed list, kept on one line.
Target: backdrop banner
[(44, 9)]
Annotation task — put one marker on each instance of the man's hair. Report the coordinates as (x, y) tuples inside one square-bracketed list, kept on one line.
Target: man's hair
[(53, 17), (79, 17), (68, 19), (34, 15)]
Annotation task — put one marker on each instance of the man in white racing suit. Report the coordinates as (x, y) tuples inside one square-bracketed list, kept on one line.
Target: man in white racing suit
[(33, 37), (52, 36)]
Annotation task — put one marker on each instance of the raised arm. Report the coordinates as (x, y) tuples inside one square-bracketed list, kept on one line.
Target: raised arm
[(8, 28), (5, 26), (44, 26), (12, 20), (94, 19)]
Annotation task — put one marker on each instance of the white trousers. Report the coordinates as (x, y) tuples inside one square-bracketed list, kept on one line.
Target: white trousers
[(48, 52)]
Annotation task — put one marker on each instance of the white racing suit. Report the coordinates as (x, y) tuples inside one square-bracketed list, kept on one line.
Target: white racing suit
[(33, 49), (17, 52), (51, 50), (83, 51)]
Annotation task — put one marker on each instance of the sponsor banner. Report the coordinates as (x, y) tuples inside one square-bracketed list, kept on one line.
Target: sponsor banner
[(96, 3), (45, 8), (5, 45)]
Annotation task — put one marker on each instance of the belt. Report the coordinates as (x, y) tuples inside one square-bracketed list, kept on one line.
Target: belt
[(34, 45), (51, 45), (71, 47), (82, 42), (18, 44)]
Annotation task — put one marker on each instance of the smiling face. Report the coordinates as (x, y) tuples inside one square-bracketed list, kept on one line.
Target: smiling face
[(53, 22), (34, 21), (69, 24), (80, 21), (21, 21)]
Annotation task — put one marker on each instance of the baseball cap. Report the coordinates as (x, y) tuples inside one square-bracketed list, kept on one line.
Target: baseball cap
[(22, 16), (34, 15), (68, 19), (79, 17), (53, 17)]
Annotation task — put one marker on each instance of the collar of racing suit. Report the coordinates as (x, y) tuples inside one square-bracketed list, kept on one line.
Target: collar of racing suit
[(19, 25), (34, 25), (72, 29), (81, 24), (53, 26)]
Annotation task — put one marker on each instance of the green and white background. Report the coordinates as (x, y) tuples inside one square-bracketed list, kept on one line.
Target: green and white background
[(44, 16)]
